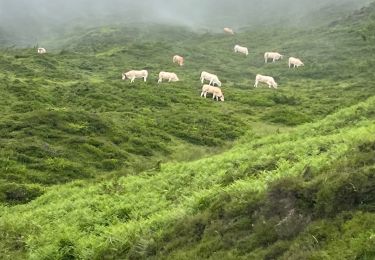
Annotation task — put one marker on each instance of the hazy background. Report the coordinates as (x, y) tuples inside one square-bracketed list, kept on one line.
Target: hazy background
[(28, 21)]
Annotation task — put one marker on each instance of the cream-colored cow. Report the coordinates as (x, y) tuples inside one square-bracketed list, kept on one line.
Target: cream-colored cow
[(228, 31), (215, 91), (265, 79), (295, 62), (179, 60), (241, 49), (212, 78), (170, 76), (42, 50), (135, 74), (272, 55)]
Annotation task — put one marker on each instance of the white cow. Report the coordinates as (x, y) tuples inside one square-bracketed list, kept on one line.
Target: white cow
[(42, 50), (265, 79), (212, 78), (135, 74), (168, 76), (272, 55), (215, 91), (228, 31), (295, 62), (179, 60), (241, 49)]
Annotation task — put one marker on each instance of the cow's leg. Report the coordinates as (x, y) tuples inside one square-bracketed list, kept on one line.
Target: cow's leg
[(160, 80), (145, 79), (170, 79), (256, 84), (202, 93), (132, 80)]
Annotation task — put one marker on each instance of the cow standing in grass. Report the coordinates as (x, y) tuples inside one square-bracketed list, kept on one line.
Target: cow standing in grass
[(265, 79), (215, 91), (170, 76), (295, 62), (42, 50), (135, 74), (212, 78), (241, 49), (179, 60), (275, 56), (228, 31)]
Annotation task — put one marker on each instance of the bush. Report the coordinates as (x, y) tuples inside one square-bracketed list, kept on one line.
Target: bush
[(13, 193), (287, 117)]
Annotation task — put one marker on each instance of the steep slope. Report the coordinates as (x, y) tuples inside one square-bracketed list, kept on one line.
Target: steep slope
[(67, 115), (279, 192), (263, 197)]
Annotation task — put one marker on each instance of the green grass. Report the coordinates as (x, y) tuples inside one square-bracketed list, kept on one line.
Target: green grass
[(93, 167)]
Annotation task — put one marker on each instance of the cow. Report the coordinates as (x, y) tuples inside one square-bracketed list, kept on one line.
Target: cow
[(42, 50), (171, 77), (213, 79), (241, 49), (295, 62), (272, 55), (135, 74), (179, 60), (265, 79), (215, 91), (228, 31)]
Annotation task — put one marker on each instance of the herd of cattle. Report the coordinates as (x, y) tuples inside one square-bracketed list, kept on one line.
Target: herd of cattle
[(211, 78)]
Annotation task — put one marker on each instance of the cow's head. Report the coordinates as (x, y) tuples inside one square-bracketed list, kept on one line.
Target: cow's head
[(218, 83), (222, 98), (123, 76)]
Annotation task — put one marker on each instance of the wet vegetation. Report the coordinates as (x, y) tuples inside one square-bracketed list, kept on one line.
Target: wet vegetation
[(93, 167)]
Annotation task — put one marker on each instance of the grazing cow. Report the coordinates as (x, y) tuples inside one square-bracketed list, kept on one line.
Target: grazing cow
[(295, 62), (42, 50), (213, 79), (265, 79), (168, 76), (135, 74), (215, 91), (241, 49), (179, 60), (229, 31), (272, 55)]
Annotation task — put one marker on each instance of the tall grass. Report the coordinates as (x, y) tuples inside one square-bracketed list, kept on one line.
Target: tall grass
[(97, 168)]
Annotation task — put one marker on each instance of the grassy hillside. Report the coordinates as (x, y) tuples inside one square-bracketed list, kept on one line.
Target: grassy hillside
[(268, 197), (93, 167)]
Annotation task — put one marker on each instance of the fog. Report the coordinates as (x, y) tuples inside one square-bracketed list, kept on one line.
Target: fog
[(31, 19)]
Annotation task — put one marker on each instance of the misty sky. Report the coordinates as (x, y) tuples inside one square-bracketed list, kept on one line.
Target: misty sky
[(32, 18)]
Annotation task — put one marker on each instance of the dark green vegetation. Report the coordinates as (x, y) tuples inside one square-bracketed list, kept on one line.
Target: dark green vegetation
[(80, 172)]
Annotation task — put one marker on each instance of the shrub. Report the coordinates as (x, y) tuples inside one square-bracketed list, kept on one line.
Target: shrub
[(13, 193)]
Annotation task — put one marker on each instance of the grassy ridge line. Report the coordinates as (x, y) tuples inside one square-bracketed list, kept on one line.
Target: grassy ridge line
[(185, 186)]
